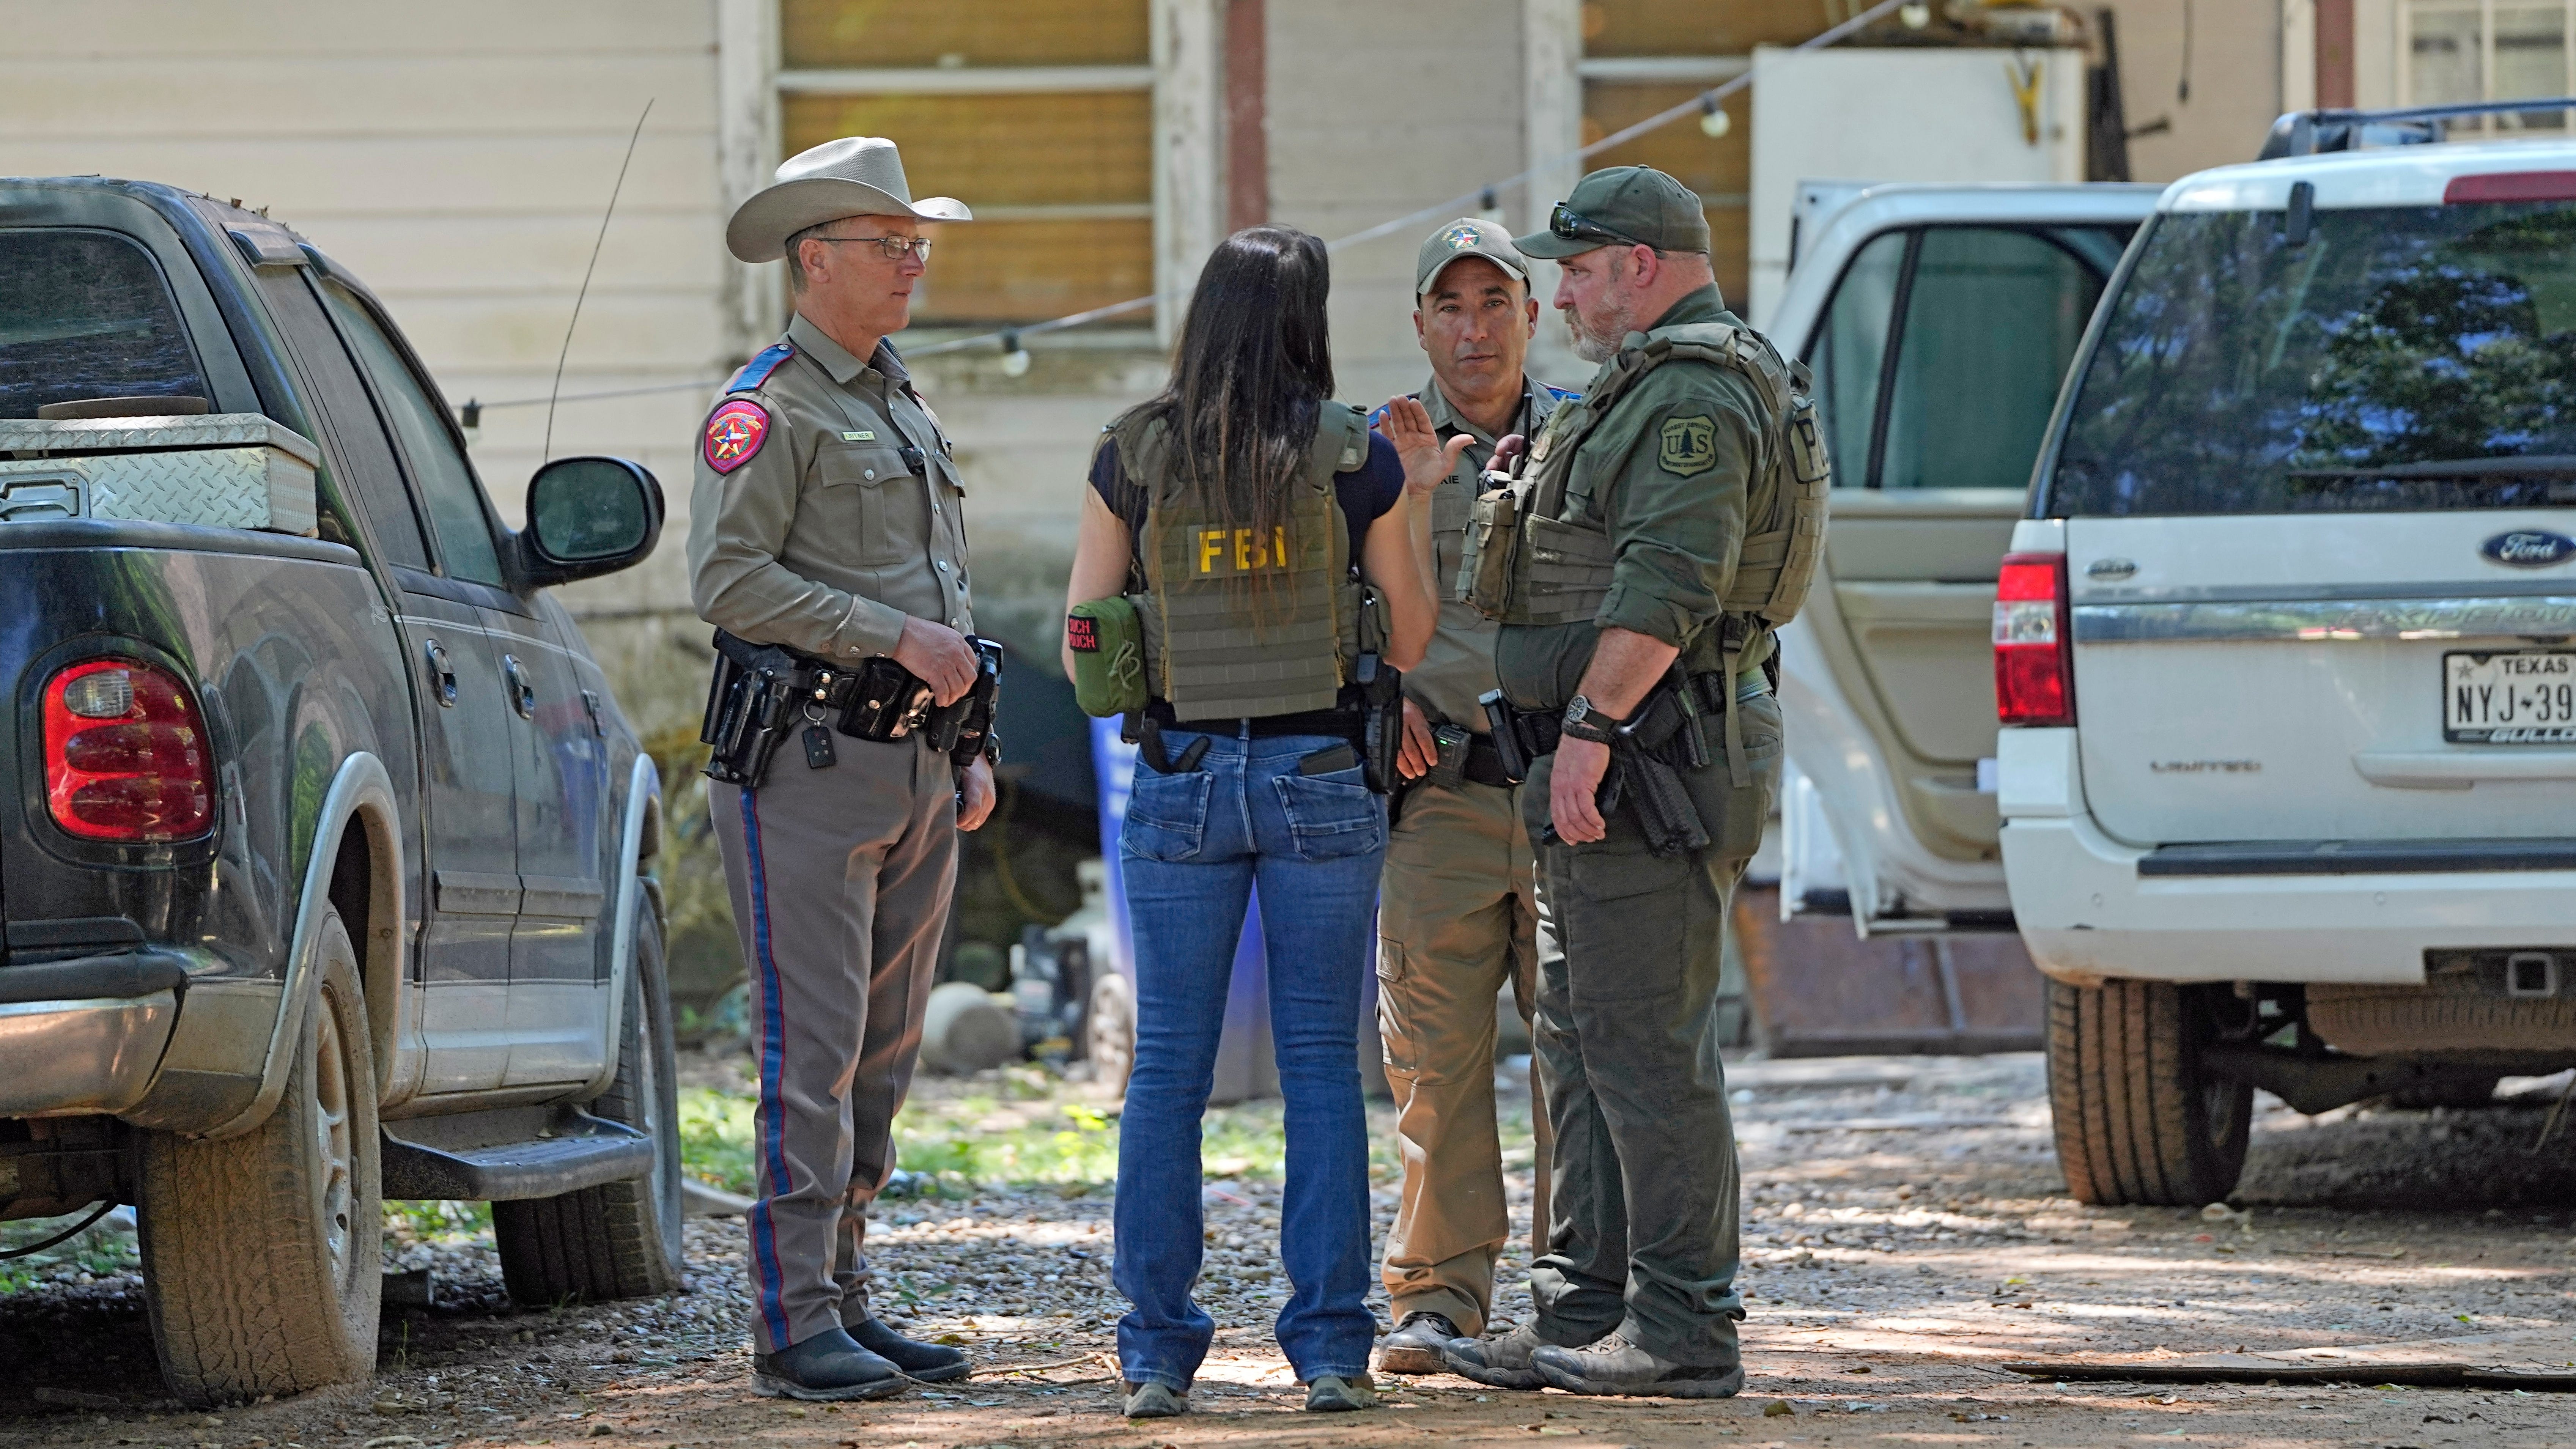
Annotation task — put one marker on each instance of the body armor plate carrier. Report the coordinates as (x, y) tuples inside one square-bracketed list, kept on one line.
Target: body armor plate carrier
[(1533, 559), (1239, 626)]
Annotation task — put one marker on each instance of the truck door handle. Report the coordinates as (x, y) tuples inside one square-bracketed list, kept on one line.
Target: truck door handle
[(441, 673), (523, 695)]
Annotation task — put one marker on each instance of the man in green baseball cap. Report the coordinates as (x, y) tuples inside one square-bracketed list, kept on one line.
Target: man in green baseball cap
[(1666, 523)]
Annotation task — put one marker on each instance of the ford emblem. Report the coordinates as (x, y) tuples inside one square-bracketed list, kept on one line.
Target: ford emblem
[(2531, 548)]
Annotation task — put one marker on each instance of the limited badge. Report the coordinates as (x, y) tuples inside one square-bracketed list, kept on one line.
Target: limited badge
[(734, 434), (1689, 445)]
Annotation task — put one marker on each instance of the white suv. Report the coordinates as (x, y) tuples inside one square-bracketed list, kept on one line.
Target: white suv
[(2286, 652)]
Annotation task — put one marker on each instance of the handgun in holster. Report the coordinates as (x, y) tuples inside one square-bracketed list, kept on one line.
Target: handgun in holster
[(1647, 755), (959, 729), (750, 708), (1381, 742)]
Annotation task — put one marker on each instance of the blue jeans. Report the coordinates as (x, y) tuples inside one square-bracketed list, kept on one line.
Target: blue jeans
[(1194, 845)]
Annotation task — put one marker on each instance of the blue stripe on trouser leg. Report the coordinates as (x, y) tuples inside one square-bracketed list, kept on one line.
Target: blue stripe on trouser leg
[(771, 1119)]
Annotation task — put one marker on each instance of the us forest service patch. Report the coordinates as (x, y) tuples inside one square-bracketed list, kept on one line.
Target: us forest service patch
[(1689, 445), (734, 434)]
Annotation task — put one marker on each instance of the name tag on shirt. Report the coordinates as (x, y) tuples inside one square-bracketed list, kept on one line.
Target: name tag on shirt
[(861, 436)]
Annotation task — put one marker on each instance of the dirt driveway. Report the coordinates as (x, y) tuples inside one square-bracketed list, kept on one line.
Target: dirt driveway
[(1905, 1233)]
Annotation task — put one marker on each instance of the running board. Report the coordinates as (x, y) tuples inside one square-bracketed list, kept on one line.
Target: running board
[(509, 1153)]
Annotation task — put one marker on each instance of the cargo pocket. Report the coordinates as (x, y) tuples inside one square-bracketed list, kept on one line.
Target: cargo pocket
[(1166, 815), (1331, 817), (1735, 818)]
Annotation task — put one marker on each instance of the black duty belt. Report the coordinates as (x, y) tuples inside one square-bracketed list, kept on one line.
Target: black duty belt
[(1339, 723), (1485, 764)]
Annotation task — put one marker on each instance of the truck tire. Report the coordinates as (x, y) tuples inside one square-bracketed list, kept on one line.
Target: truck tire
[(2138, 1124), (261, 1252), (619, 1239)]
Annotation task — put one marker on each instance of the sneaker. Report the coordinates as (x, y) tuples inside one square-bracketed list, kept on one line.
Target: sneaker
[(929, 1363), (1414, 1347), (1502, 1362), (1153, 1401), (1333, 1394), (1616, 1366), (828, 1366)]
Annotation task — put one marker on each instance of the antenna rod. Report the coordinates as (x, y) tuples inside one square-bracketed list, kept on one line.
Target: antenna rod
[(548, 452)]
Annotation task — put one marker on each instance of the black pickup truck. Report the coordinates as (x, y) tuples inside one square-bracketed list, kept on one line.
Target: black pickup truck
[(324, 876)]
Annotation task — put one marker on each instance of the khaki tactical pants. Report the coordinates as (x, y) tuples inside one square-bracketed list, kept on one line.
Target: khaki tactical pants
[(840, 880), (1456, 920), (1644, 1238)]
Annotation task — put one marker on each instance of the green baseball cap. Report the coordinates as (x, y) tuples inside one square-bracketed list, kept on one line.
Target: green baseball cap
[(1622, 206), (1468, 236)]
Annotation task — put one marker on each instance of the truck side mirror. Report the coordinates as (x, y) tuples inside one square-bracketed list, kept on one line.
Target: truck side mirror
[(587, 517)]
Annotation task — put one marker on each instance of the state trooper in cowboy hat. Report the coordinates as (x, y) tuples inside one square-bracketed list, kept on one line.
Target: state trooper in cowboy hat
[(825, 518)]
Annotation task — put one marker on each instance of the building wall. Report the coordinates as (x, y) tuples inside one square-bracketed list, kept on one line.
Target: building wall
[(2233, 64), (458, 157)]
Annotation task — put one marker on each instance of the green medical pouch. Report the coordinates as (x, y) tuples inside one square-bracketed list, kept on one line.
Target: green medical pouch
[(1108, 644)]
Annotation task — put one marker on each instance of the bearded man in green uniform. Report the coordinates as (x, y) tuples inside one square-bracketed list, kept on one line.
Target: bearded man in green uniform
[(1458, 915), (1663, 528)]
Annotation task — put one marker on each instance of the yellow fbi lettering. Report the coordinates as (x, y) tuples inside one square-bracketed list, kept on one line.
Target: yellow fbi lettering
[(1241, 550)]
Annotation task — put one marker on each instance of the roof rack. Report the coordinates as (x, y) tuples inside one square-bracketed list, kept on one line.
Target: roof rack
[(2305, 133)]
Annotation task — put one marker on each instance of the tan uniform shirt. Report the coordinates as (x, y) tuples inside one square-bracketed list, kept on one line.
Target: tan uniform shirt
[(808, 526), (1459, 666)]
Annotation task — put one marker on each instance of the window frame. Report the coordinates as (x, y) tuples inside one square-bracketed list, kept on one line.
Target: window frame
[(504, 540), (2405, 16), (1883, 398), (1143, 78)]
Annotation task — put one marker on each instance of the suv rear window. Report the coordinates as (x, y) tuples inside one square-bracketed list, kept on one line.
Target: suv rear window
[(2402, 359), (85, 314)]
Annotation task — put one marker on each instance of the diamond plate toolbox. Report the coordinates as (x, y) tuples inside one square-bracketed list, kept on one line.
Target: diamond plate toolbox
[(220, 470)]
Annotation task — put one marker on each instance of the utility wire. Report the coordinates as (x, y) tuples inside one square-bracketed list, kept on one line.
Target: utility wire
[(1701, 104)]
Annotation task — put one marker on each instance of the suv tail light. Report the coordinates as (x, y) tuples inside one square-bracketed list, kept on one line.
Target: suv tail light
[(125, 754), (2034, 658)]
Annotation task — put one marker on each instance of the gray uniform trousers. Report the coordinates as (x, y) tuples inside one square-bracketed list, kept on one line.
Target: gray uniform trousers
[(1643, 1233), (841, 879)]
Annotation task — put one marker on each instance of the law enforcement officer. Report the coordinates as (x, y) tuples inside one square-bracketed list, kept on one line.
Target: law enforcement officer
[(1458, 913), (1667, 522), (826, 518)]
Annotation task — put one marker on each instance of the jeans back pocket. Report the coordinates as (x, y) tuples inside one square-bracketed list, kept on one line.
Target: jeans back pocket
[(1331, 816), (1167, 815)]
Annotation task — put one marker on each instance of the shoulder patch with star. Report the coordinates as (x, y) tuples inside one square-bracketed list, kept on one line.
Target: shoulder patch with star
[(735, 432), (1687, 445)]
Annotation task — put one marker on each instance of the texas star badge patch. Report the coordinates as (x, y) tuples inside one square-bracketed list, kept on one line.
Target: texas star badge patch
[(1689, 445), (734, 433)]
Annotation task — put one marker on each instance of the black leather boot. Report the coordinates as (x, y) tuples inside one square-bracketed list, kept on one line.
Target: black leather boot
[(931, 1363), (828, 1366)]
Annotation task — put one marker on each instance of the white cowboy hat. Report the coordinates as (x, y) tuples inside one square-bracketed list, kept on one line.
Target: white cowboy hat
[(854, 176)]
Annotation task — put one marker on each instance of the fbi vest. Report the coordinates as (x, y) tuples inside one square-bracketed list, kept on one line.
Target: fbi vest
[(1534, 558), (1236, 625)]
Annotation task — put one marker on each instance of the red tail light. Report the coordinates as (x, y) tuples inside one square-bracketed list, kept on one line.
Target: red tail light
[(2034, 658), (125, 754)]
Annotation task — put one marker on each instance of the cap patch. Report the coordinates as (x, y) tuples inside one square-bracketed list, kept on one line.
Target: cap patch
[(734, 434), (1460, 237)]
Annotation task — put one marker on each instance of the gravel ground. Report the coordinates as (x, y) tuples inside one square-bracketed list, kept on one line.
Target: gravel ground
[(1906, 1228)]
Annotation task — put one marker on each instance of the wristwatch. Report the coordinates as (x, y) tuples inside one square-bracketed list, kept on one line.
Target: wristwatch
[(1585, 721)]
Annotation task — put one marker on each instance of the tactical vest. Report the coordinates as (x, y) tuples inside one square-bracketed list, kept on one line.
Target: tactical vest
[(1533, 557), (1238, 626)]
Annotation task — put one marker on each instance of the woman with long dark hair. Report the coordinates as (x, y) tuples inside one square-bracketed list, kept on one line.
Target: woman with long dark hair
[(1275, 552)]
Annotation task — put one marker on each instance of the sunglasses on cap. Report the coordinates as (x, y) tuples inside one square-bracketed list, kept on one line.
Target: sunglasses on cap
[(1573, 225)]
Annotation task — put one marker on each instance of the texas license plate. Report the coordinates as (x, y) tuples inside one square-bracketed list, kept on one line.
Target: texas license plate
[(2517, 697)]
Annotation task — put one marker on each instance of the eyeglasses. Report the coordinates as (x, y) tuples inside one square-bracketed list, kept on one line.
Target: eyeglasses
[(1575, 226), (892, 248)]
